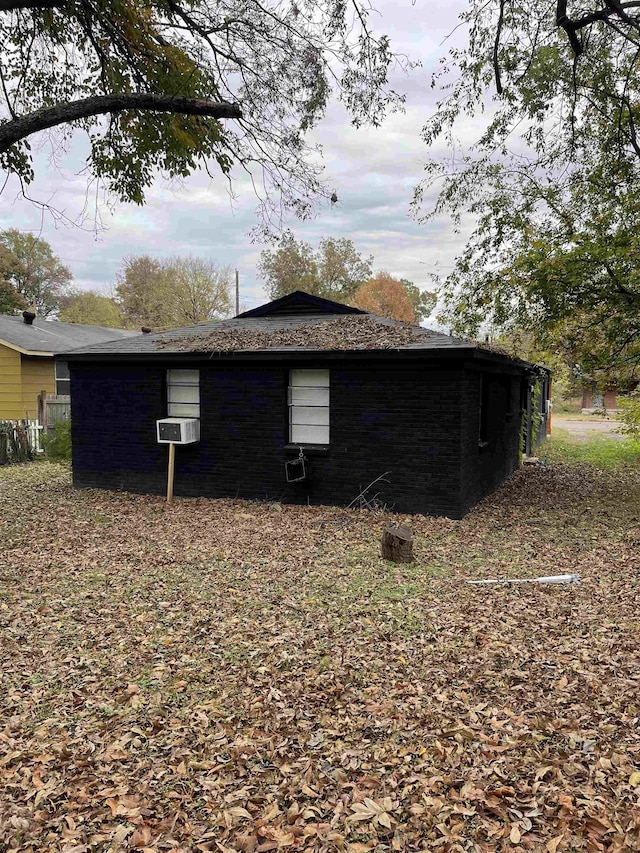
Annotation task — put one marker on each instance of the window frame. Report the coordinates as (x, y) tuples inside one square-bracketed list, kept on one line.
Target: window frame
[(483, 413), (508, 416), (308, 404), (172, 384), (66, 379)]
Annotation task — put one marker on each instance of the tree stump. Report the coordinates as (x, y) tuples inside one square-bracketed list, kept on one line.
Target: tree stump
[(397, 544)]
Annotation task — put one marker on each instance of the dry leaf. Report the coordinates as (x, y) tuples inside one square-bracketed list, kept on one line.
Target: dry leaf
[(327, 701)]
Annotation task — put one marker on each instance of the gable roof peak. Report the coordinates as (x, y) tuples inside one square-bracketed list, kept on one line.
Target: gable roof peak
[(297, 303)]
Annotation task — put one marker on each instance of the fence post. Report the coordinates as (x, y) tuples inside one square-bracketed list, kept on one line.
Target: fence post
[(42, 409)]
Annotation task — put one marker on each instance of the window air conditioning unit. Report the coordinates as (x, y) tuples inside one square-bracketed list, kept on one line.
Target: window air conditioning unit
[(178, 430)]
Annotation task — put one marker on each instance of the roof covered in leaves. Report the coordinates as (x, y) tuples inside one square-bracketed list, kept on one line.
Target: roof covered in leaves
[(45, 337), (297, 323)]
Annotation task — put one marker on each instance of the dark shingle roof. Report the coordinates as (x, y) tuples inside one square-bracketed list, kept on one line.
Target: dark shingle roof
[(300, 302), (50, 336), (297, 323), (298, 333)]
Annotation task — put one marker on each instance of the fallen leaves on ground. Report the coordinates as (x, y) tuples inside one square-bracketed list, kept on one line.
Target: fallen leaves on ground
[(233, 676)]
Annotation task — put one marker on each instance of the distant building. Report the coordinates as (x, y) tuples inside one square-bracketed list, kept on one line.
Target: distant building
[(595, 401)]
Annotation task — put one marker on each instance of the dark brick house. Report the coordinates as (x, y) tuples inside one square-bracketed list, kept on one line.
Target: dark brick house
[(361, 395)]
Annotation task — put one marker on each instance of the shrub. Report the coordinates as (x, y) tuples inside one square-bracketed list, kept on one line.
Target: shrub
[(57, 444), (629, 414)]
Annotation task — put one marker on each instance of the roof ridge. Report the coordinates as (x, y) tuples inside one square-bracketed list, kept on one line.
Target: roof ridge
[(301, 300)]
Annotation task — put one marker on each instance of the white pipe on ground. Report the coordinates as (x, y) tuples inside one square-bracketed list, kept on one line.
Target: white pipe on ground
[(543, 579)]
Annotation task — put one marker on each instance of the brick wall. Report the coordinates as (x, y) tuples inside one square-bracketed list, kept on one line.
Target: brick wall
[(488, 465), (112, 426), (599, 400), (411, 421)]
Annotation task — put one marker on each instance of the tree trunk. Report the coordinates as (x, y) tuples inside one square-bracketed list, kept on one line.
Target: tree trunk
[(397, 544)]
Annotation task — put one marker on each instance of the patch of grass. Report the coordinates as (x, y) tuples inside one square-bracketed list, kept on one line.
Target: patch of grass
[(568, 407), (599, 451)]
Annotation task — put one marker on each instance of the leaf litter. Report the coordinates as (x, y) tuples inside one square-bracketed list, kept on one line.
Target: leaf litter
[(339, 333), (232, 676)]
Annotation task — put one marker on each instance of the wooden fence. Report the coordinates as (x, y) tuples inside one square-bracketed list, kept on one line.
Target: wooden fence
[(20, 441), (52, 409)]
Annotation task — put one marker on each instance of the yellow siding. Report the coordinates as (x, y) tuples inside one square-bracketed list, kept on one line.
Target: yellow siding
[(10, 384), (37, 375)]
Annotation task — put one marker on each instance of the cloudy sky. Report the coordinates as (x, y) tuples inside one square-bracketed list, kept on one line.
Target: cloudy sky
[(374, 172)]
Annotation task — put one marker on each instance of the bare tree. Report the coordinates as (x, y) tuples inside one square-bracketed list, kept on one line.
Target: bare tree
[(202, 290)]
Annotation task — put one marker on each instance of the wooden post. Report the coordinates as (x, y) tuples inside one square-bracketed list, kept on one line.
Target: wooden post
[(172, 459), (549, 407), (528, 447), (42, 410), (397, 544)]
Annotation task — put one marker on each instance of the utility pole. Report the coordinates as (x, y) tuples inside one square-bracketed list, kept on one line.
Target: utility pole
[(237, 293)]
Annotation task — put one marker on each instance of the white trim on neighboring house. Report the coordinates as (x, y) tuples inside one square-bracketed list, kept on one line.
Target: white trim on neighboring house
[(42, 353)]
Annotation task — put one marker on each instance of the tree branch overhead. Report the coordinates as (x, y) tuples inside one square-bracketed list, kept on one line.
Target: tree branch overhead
[(15, 5), (555, 250), (13, 131), (271, 66)]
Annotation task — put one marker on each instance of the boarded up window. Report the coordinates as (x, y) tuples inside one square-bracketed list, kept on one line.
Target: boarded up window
[(309, 406), (183, 393)]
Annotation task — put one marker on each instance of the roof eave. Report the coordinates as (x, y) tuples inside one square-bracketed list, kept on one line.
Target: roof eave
[(465, 349), (275, 355), (485, 354), (22, 351)]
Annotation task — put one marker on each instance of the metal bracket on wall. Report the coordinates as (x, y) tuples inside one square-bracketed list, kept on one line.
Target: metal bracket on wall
[(297, 470)]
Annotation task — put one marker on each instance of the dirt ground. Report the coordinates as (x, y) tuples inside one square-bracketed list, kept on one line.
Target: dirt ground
[(583, 429), (240, 677)]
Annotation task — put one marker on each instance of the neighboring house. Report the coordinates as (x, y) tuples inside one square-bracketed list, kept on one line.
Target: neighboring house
[(595, 401), (363, 397), (27, 349)]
